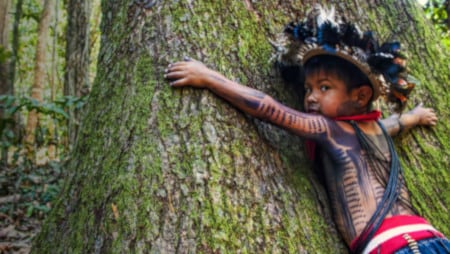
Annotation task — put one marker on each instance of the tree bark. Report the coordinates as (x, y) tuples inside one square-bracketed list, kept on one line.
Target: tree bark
[(157, 170), (5, 84), (37, 88), (76, 80), (15, 43)]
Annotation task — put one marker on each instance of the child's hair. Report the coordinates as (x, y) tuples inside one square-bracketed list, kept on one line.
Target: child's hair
[(351, 75), (340, 68)]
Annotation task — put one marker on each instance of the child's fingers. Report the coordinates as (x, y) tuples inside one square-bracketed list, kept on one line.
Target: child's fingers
[(174, 75), (174, 68), (176, 65), (178, 82)]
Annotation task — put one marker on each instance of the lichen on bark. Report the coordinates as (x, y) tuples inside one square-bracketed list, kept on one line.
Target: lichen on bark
[(162, 170)]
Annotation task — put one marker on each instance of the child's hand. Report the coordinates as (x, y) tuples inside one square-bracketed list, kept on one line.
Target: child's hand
[(426, 115), (188, 72)]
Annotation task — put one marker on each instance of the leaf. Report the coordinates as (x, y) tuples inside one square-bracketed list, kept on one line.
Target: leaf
[(30, 210), (61, 112)]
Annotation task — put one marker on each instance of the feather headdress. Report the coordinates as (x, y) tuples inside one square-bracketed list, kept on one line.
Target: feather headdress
[(322, 32)]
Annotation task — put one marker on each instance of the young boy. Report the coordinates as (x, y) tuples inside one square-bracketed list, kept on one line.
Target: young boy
[(360, 166)]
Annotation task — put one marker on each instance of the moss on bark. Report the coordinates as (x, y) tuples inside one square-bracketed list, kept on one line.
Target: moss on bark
[(165, 171)]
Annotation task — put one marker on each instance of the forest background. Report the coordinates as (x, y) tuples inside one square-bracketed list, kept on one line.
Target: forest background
[(42, 95)]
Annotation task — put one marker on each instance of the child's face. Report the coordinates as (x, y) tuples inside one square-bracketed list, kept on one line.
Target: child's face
[(327, 95)]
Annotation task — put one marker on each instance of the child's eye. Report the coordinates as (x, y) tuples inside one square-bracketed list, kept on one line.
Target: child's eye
[(324, 88), (307, 89)]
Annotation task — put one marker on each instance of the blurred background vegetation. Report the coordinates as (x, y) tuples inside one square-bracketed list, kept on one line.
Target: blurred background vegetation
[(438, 12), (47, 62)]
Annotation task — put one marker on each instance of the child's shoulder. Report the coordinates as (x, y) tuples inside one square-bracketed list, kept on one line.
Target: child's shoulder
[(368, 128)]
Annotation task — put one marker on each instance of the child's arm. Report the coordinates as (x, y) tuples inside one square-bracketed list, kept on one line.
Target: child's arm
[(395, 124), (251, 101)]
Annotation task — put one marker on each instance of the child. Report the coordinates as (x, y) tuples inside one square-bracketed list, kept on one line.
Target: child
[(370, 202)]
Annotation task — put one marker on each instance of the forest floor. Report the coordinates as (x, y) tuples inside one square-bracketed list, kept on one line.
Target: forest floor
[(26, 192)]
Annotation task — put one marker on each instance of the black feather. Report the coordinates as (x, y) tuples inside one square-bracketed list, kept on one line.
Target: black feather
[(350, 34), (368, 42), (298, 31), (380, 62), (328, 34)]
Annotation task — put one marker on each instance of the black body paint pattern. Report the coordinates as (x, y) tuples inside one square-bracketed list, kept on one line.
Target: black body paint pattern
[(354, 188)]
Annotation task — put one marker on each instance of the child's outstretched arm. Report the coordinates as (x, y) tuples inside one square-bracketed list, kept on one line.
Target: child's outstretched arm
[(251, 101), (395, 124)]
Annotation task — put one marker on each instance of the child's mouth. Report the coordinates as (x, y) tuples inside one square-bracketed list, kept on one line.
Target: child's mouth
[(313, 110)]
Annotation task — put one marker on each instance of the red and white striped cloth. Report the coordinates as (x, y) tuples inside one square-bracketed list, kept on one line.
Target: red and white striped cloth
[(389, 237)]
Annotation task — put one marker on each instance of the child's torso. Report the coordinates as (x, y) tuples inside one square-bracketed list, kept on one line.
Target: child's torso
[(355, 180)]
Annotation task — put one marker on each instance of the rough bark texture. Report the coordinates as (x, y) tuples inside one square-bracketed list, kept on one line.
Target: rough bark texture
[(180, 171), (37, 88), (15, 42), (5, 85), (76, 78)]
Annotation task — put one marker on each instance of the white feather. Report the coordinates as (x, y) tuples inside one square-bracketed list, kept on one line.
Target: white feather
[(326, 15)]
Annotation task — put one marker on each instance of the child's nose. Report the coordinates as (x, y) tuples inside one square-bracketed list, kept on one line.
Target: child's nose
[(312, 97)]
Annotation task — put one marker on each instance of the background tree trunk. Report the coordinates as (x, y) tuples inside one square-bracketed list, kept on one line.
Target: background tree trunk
[(37, 88), (76, 81), (5, 84), (15, 42), (181, 171)]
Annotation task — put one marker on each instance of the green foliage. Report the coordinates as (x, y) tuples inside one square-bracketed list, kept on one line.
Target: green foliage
[(4, 54), (10, 105), (35, 187), (436, 11)]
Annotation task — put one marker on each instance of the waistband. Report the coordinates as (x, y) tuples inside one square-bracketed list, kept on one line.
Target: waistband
[(390, 236)]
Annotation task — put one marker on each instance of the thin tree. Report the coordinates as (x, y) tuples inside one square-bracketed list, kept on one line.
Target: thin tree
[(37, 88), (5, 48), (52, 146), (15, 41), (5, 83), (157, 170)]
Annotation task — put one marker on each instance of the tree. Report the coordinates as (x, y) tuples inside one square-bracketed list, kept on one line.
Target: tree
[(5, 84), (181, 171), (39, 73), (76, 80)]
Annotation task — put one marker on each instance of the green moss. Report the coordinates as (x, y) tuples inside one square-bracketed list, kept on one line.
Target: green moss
[(188, 149)]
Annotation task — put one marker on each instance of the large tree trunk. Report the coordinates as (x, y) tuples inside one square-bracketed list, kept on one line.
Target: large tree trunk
[(181, 171), (37, 89), (76, 78)]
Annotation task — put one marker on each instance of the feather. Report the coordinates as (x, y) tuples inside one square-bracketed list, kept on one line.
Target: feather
[(298, 31), (325, 16), (399, 93), (391, 48), (368, 42), (392, 71), (328, 32), (380, 61), (351, 35)]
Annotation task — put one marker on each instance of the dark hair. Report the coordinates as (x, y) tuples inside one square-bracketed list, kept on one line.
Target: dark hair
[(294, 75), (351, 75)]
